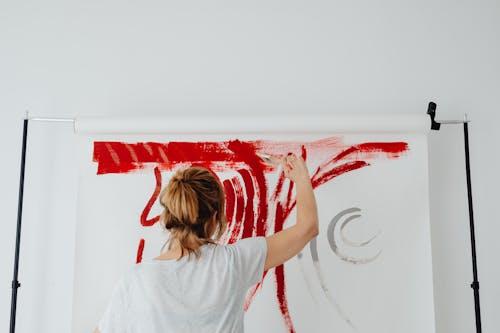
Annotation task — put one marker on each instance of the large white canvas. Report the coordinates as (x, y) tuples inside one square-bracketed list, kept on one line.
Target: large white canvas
[(382, 286)]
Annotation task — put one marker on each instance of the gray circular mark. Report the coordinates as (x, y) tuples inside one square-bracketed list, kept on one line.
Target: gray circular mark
[(342, 226), (350, 242), (333, 243)]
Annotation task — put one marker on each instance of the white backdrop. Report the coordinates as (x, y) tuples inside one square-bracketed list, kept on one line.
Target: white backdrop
[(383, 286)]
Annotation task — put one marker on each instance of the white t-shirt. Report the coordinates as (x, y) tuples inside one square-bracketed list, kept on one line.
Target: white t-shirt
[(188, 295)]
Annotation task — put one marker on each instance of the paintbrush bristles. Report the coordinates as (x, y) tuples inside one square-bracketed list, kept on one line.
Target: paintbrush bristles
[(268, 158)]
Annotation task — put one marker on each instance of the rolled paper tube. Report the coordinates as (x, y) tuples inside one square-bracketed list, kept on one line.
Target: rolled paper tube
[(258, 124)]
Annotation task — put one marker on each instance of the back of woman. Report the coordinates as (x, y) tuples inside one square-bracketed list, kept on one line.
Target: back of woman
[(198, 285), (198, 295)]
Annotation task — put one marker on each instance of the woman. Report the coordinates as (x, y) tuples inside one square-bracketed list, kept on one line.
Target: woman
[(197, 285)]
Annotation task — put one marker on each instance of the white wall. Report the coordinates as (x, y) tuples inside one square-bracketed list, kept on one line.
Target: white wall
[(60, 58)]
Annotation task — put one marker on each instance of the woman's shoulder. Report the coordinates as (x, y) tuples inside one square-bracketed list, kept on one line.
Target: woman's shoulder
[(250, 245), (257, 241)]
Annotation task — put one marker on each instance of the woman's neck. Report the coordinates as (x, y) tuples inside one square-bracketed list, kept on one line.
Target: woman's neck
[(174, 251)]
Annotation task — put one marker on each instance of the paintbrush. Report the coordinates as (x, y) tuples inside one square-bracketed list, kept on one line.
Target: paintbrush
[(270, 159)]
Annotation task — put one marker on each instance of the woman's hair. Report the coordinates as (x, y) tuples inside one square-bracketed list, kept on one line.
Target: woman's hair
[(194, 208)]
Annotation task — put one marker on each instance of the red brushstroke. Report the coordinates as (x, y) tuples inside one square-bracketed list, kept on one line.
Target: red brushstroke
[(392, 149), (145, 212), (289, 194), (247, 152), (248, 222), (281, 295), (240, 199), (240, 206), (230, 200), (279, 272), (247, 200), (279, 187), (321, 178), (140, 250), (116, 157)]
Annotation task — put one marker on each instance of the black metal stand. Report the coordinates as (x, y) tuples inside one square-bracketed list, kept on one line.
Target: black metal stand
[(475, 283), (434, 125), (15, 282)]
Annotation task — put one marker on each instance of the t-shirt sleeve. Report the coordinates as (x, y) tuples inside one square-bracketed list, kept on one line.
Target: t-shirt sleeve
[(248, 258), (114, 318)]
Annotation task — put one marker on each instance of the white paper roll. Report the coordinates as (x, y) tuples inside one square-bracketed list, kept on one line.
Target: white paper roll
[(228, 124)]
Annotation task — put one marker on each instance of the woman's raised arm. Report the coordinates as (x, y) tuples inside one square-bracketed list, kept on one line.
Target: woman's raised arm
[(289, 242)]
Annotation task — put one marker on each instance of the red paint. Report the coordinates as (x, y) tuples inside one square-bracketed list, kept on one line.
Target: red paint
[(119, 157), (247, 206), (116, 157), (230, 198), (248, 222), (279, 187), (279, 273), (240, 206), (240, 199), (145, 212), (247, 152), (303, 152), (281, 295), (321, 178), (140, 250), (289, 194), (392, 149)]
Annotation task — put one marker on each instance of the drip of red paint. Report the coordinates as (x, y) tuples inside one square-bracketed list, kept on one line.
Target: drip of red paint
[(140, 250), (282, 299), (279, 272)]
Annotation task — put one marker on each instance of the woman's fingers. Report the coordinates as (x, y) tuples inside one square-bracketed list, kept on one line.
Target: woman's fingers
[(292, 165), (286, 167), (291, 159), (286, 172), (283, 162)]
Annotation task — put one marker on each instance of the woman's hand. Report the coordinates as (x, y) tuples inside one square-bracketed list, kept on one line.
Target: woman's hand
[(295, 168)]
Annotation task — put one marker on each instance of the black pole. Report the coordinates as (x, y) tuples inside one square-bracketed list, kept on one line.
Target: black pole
[(431, 111), (15, 282), (475, 282)]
